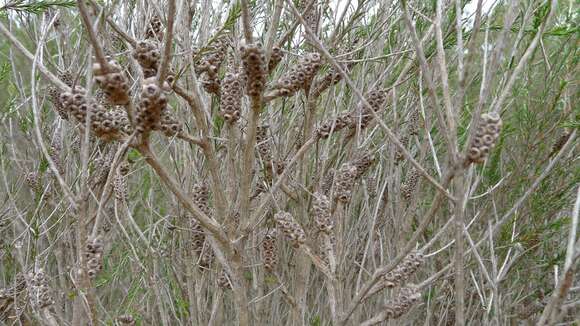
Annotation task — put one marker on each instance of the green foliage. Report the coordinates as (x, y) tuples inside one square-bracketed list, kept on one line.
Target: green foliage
[(35, 7)]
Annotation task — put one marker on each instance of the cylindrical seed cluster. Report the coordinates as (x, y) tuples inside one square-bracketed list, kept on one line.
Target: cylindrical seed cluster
[(54, 97), (327, 182), (363, 114), (263, 144), (211, 63), (407, 298), (40, 296), (201, 197), (154, 30), (151, 104), (120, 182), (121, 119), (33, 181), (253, 60), (410, 184), (79, 105), (113, 82), (300, 75), (291, 229), (399, 153), (197, 237), (485, 137), (321, 212), (94, 256), (333, 125), (147, 54), (169, 125), (126, 320), (270, 250), (231, 97), (275, 58), (414, 122), (404, 270), (206, 257), (343, 182), (223, 281), (363, 163)]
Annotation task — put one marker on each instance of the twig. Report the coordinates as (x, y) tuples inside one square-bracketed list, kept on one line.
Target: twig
[(168, 42)]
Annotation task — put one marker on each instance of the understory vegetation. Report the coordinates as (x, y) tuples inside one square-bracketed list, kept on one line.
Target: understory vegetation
[(283, 162)]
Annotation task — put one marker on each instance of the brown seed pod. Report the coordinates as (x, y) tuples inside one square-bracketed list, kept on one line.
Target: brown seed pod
[(113, 82), (343, 182), (400, 274), (54, 97), (485, 138), (321, 212), (120, 187), (300, 75), (399, 154), (327, 182), (275, 58), (147, 55), (405, 300), (169, 125), (414, 122), (201, 197), (410, 184), (126, 320), (198, 236), (363, 116), (231, 97), (39, 290), (291, 229), (93, 252), (223, 281), (253, 61), (151, 105), (154, 29), (363, 163), (33, 181), (210, 64), (270, 250), (78, 105)]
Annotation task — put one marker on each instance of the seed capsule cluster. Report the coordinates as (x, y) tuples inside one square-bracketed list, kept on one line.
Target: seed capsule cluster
[(113, 82), (321, 212), (253, 60), (291, 229), (94, 256), (33, 181), (206, 257), (122, 120), (300, 75), (154, 30), (414, 123), (311, 15), (19, 285), (343, 182), (231, 97), (169, 125), (211, 63), (485, 137), (223, 281), (126, 320), (327, 182), (151, 104), (404, 270), (410, 184), (263, 144), (407, 298), (363, 114), (120, 183), (333, 125), (399, 153), (363, 163), (147, 54), (560, 143), (269, 250), (198, 236), (201, 197), (103, 123), (54, 97), (275, 57), (39, 291)]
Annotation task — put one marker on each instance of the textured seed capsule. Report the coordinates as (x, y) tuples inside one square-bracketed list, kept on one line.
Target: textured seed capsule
[(400, 274), (363, 163), (343, 182), (291, 229), (210, 64), (485, 137), (39, 291), (253, 60), (327, 182), (410, 184), (405, 300), (363, 115), (201, 197), (223, 281), (93, 252), (126, 320), (147, 55), (154, 30), (275, 58), (169, 125), (78, 105), (231, 97), (300, 75), (113, 82), (321, 212), (151, 105), (270, 250)]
